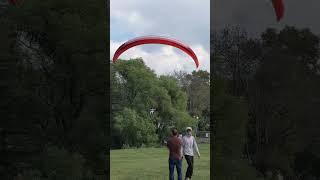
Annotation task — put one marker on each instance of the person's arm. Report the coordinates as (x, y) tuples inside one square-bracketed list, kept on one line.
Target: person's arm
[(195, 146), (167, 143), (181, 151)]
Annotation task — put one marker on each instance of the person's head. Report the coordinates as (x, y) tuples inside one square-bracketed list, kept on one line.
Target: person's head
[(189, 131), (174, 131)]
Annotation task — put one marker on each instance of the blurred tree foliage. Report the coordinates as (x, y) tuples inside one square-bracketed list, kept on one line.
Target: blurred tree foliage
[(279, 78), (53, 92)]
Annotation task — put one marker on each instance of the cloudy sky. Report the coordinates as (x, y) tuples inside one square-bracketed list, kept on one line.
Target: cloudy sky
[(256, 15), (185, 20)]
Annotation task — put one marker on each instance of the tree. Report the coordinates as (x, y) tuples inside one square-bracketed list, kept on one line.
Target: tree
[(197, 87), (281, 91), (58, 82), (285, 80), (237, 56), (134, 86)]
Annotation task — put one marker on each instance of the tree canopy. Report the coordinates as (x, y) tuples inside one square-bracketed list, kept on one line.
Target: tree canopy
[(278, 76), (135, 89), (55, 73)]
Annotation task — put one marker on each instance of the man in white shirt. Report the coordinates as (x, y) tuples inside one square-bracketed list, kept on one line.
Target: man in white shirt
[(189, 145)]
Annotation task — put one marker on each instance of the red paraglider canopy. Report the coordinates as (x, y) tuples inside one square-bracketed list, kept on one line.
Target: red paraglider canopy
[(279, 8), (155, 40)]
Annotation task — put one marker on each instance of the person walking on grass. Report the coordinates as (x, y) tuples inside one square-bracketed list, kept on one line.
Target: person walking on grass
[(174, 145), (189, 146)]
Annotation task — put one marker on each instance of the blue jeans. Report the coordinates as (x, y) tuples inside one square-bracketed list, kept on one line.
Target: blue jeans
[(178, 164)]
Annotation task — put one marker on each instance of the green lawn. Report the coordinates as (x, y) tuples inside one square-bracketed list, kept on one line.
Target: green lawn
[(152, 164)]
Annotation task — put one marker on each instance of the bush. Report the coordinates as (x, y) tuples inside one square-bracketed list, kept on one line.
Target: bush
[(183, 120), (134, 130)]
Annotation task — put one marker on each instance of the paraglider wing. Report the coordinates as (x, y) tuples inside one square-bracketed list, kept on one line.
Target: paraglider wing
[(279, 8), (154, 40)]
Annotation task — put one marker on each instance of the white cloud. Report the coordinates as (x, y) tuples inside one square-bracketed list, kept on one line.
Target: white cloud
[(166, 59), (128, 21), (185, 20)]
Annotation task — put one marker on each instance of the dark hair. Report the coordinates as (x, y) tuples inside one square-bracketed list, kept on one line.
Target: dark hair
[(174, 131)]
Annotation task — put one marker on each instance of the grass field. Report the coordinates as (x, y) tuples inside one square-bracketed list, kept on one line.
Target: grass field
[(152, 164)]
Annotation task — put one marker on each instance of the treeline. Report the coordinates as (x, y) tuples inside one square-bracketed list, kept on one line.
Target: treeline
[(276, 80), (145, 106), (53, 121)]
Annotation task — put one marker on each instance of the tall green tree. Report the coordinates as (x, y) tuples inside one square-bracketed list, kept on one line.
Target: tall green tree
[(135, 87), (197, 87)]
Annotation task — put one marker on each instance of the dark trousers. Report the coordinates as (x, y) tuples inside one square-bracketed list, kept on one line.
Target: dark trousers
[(189, 160), (178, 164)]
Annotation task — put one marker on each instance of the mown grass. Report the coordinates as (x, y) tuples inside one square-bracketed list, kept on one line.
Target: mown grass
[(152, 164)]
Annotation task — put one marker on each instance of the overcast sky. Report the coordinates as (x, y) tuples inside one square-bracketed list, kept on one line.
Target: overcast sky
[(185, 20), (256, 15)]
